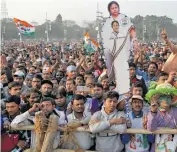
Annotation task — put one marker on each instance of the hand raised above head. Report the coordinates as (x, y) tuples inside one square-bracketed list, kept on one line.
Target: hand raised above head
[(164, 34), (154, 106)]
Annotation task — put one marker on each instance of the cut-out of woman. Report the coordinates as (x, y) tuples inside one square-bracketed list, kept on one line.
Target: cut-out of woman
[(116, 60), (115, 32)]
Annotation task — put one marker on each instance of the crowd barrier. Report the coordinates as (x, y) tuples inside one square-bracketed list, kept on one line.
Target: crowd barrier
[(82, 129), (130, 131)]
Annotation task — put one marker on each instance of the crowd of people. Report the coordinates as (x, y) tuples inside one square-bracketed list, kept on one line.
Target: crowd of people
[(63, 79)]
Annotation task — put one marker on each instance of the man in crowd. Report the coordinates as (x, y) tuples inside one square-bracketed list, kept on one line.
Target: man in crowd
[(150, 75), (19, 76), (78, 74), (13, 88), (108, 119), (36, 81), (137, 120), (32, 97), (84, 138), (21, 139), (47, 106), (46, 88)]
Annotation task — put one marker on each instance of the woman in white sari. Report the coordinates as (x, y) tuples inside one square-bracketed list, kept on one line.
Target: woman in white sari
[(117, 47)]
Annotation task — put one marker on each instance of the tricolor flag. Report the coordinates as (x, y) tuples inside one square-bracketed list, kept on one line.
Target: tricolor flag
[(24, 27), (90, 44)]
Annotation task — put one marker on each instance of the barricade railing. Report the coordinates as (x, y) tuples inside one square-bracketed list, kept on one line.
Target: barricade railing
[(82, 129), (130, 131)]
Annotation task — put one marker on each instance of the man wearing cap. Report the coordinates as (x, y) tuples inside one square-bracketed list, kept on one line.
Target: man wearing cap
[(19, 76), (71, 72), (136, 142), (153, 58), (109, 118)]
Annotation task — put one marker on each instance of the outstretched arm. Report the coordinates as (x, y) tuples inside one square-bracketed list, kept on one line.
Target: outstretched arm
[(169, 43)]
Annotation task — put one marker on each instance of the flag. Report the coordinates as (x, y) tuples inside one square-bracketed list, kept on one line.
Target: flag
[(90, 44), (24, 27)]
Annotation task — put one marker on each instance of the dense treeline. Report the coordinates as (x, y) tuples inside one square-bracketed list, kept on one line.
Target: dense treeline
[(69, 29)]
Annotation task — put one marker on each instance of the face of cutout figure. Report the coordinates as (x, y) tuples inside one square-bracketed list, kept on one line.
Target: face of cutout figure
[(114, 10), (115, 27)]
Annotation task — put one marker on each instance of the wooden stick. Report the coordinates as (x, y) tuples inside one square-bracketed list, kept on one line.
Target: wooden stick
[(130, 131)]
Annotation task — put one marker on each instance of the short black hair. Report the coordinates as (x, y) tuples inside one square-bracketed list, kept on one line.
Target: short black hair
[(98, 85), (37, 76), (72, 63), (48, 99), (71, 80), (33, 67), (89, 72), (162, 74), (33, 90), (14, 98), (131, 64), (111, 94), (60, 72), (138, 84), (154, 64), (78, 97), (61, 92), (114, 22), (80, 75), (14, 84), (110, 4), (161, 59)]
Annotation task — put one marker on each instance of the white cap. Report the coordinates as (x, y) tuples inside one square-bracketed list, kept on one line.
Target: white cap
[(19, 74)]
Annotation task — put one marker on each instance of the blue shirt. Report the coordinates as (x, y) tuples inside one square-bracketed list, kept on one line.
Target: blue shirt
[(146, 77)]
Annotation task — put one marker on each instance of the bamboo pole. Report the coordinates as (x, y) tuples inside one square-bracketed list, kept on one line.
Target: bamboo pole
[(130, 131)]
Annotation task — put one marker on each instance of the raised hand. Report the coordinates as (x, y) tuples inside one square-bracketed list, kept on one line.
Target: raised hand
[(145, 120), (154, 106), (164, 34)]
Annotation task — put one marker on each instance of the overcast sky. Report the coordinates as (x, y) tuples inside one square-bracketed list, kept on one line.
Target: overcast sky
[(79, 10)]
